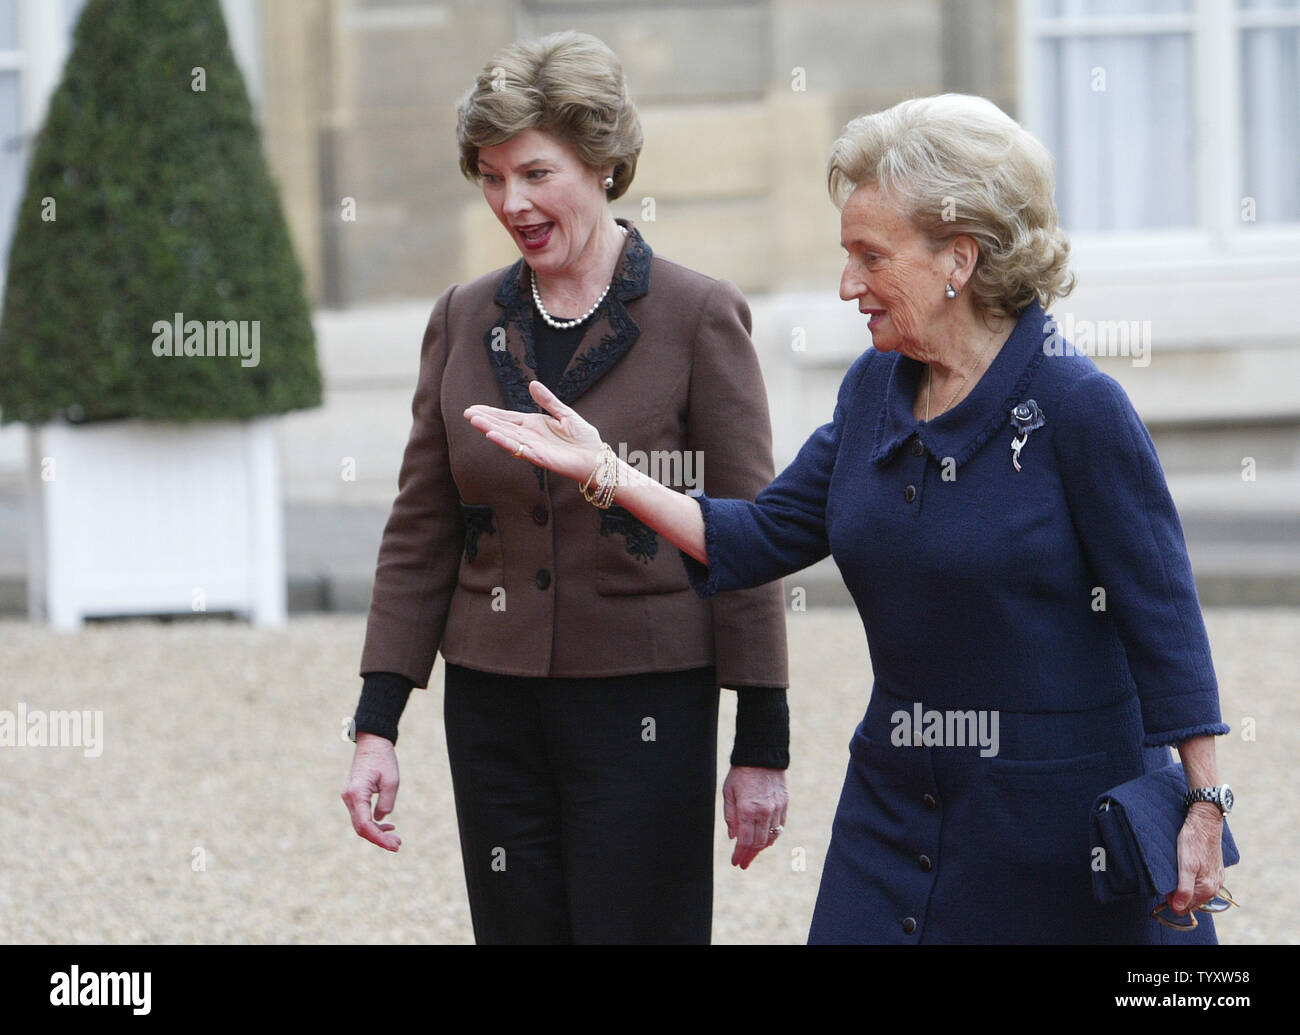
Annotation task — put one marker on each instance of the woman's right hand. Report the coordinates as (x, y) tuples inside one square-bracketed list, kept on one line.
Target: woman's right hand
[(374, 771), (562, 442)]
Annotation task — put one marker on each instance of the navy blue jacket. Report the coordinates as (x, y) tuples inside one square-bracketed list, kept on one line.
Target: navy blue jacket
[(1055, 605)]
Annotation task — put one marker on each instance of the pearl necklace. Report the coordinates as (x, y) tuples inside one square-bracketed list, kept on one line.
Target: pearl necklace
[(564, 325)]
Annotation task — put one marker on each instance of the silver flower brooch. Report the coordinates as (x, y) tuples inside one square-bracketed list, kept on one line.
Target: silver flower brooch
[(1025, 417)]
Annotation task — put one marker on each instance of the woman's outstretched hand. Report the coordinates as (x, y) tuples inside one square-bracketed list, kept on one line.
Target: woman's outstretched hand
[(565, 443), (562, 442)]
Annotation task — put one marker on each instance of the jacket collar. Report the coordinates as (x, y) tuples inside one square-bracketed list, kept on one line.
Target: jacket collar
[(609, 333), (972, 422)]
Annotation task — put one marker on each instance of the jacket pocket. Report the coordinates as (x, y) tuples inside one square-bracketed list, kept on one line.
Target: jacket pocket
[(482, 563), (880, 762), (631, 559), (1033, 818), (1045, 772)]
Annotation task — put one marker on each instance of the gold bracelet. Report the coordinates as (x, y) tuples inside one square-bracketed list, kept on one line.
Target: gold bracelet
[(603, 497), (600, 460), (605, 474)]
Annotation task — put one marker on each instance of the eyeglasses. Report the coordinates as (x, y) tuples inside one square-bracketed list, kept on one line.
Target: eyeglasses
[(1221, 903)]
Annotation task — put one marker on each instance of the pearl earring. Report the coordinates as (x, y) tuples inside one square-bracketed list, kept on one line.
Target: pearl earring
[(609, 182), (949, 291)]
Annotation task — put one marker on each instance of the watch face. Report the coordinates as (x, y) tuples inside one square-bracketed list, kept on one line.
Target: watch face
[(1225, 798)]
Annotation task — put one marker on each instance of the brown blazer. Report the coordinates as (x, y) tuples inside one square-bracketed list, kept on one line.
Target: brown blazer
[(504, 566)]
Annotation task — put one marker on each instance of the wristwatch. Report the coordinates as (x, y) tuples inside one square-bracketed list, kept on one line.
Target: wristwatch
[(1219, 796)]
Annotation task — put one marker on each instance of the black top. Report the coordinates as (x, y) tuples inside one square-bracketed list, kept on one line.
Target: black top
[(553, 348)]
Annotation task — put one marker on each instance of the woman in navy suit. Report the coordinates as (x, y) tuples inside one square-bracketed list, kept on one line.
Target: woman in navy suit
[(998, 513)]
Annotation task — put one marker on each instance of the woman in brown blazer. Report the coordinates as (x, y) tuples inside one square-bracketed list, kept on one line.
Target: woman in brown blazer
[(582, 672)]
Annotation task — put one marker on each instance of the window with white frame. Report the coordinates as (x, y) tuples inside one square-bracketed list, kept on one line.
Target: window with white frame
[(1166, 114), (11, 119), (35, 38)]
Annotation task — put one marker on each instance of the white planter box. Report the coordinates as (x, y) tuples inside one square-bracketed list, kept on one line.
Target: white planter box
[(141, 517)]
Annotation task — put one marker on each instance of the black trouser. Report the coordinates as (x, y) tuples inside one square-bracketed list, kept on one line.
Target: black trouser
[(585, 806)]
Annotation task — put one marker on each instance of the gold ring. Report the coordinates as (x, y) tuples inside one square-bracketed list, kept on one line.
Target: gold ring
[(519, 451)]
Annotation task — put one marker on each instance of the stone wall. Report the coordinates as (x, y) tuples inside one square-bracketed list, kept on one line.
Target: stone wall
[(740, 102)]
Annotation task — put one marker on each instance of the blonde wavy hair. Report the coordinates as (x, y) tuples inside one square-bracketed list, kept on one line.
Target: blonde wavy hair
[(956, 165), (568, 84)]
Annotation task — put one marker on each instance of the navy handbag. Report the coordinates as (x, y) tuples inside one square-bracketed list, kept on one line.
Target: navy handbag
[(1137, 825)]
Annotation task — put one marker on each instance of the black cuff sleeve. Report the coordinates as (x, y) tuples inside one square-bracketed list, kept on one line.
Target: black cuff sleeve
[(383, 697), (762, 728)]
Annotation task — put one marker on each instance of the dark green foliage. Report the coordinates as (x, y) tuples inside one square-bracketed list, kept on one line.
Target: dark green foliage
[(164, 204)]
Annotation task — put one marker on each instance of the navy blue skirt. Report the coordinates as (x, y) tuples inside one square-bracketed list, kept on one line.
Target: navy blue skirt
[(942, 844)]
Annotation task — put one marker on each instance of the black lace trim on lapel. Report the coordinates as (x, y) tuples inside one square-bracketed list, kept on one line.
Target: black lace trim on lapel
[(478, 519), (631, 280), (514, 383), (592, 363), (642, 542), (510, 376), (632, 277)]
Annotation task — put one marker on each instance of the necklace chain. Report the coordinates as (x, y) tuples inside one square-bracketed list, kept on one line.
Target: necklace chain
[(929, 378), (564, 325)]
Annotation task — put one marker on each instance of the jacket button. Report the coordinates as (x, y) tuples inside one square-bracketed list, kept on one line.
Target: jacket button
[(917, 447), (909, 925), (540, 515), (909, 493), (930, 802), (925, 864), (542, 578)]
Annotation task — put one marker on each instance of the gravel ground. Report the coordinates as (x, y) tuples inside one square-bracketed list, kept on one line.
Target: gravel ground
[(213, 813)]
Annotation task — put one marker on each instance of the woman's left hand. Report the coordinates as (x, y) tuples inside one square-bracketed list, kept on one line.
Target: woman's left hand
[(754, 804), (1200, 858)]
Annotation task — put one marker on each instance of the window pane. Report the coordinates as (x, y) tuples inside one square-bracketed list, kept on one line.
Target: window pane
[(1108, 8), (1269, 5), (1270, 122), (8, 24), (11, 156), (1118, 116)]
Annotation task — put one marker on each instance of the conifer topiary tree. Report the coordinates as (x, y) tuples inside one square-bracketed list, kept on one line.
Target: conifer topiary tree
[(147, 197)]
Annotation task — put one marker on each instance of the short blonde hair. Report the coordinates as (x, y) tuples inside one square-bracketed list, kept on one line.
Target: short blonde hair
[(568, 84), (956, 165)]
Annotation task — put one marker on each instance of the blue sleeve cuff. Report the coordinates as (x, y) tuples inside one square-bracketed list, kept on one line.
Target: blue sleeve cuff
[(1169, 718), (706, 580), (1174, 737), (698, 576)]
